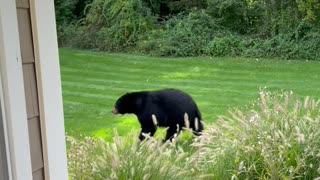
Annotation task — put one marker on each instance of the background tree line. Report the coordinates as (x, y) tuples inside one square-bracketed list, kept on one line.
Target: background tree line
[(249, 28)]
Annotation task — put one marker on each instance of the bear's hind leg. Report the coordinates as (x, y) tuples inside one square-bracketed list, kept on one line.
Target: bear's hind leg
[(197, 128), (171, 132)]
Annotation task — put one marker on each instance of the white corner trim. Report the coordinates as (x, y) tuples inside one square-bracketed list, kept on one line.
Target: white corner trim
[(49, 88), (4, 124), (13, 93)]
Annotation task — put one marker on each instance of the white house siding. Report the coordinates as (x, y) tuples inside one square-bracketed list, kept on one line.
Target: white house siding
[(32, 98)]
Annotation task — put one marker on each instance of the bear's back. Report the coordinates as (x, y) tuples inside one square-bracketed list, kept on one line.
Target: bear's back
[(172, 97), (174, 102)]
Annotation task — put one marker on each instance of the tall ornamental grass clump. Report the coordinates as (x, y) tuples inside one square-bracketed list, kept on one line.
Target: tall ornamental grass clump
[(82, 158), (277, 138), (133, 159), (125, 158)]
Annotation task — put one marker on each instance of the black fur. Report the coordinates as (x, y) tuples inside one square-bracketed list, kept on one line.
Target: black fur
[(168, 105)]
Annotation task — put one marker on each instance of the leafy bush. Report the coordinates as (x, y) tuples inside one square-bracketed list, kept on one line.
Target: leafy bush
[(232, 14), (228, 45), (118, 23), (182, 35), (74, 35), (252, 28), (286, 46), (64, 15), (277, 138), (309, 46)]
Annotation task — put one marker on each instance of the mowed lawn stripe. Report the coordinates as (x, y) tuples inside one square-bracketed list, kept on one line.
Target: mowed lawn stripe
[(93, 90), (218, 74), (127, 63), (309, 83), (209, 84), (106, 73), (91, 83)]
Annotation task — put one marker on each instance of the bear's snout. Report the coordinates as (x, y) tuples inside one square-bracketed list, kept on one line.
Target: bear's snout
[(115, 111)]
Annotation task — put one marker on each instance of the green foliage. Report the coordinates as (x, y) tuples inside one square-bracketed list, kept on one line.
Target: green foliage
[(277, 137), (165, 8), (298, 45), (185, 5), (228, 45), (181, 36), (68, 12), (117, 23), (310, 9), (231, 13), (287, 47), (64, 15), (64, 10), (251, 28), (74, 35)]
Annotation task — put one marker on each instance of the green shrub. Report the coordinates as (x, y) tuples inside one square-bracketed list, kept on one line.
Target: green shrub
[(77, 36), (118, 23), (232, 14), (286, 46), (277, 138), (182, 35), (228, 45), (309, 46), (64, 11), (283, 29)]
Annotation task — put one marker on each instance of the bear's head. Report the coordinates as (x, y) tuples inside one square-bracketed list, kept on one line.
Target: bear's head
[(128, 103)]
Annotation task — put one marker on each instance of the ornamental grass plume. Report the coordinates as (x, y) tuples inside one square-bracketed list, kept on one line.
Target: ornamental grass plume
[(128, 158), (82, 164)]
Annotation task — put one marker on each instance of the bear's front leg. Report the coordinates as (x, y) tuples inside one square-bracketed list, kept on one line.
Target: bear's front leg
[(145, 131)]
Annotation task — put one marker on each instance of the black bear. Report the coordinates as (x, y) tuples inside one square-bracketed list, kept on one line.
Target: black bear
[(164, 108)]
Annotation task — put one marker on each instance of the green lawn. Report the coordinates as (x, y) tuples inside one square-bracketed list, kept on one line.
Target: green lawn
[(92, 82)]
